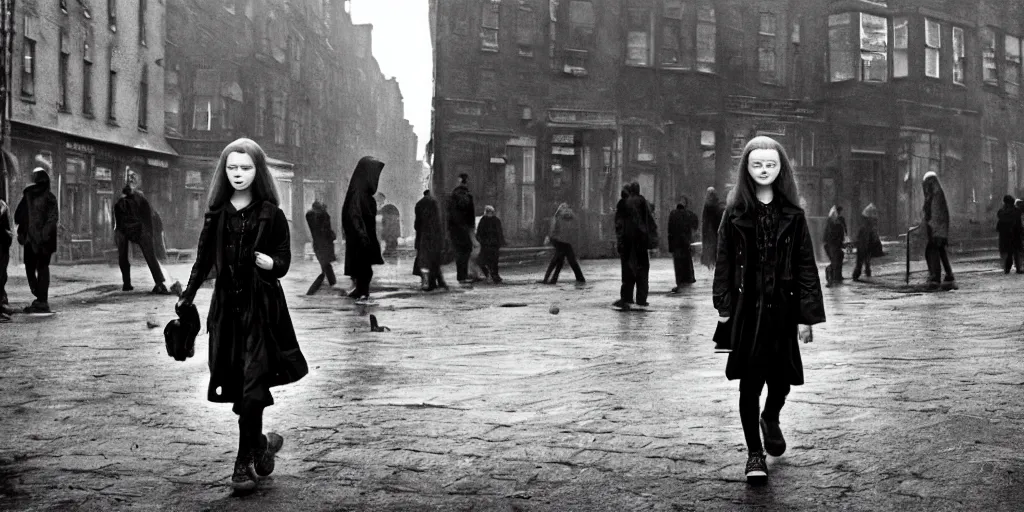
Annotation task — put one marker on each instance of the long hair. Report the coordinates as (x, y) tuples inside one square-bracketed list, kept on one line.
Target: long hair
[(833, 213), (743, 196), (263, 188)]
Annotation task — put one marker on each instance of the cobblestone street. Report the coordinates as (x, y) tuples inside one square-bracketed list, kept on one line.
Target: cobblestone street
[(480, 399)]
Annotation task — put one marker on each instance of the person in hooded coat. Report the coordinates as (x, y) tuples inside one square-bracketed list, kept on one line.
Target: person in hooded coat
[(36, 217), (833, 238), (867, 241), (562, 235), (461, 224), (491, 236), (6, 239), (319, 222), (431, 243), (936, 223), (710, 219), (638, 235), (252, 346), (359, 223), (681, 225), (767, 293), (133, 224), (1009, 228)]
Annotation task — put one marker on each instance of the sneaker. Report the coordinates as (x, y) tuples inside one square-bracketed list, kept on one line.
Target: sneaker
[(621, 305), (127, 288), (774, 443), (244, 476), (949, 284), (643, 304), (38, 307), (354, 294), (160, 289), (265, 458), (757, 468)]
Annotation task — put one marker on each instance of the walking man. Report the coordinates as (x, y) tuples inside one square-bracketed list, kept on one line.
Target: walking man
[(6, 239), (461, 227), (1009, 228), (430, 243), (359, 223), (319, 222), (638, 233), (36, 217), (936, 223), (133, 223), (491, 237), (681, 225)]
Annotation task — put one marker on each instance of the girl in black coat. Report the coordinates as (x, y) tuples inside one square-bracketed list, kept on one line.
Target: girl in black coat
[(1009, 228), (252, 342), (711, 218), (681, 225), (359, 222), (491, 236), (766, 284)]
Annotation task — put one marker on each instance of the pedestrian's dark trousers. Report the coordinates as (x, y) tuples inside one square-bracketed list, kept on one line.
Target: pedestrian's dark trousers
[(683, 261), (750, 405), (5, 259), (563, 251), (146, 244), (434, 276), (250, 428), (462, 263), (37, 269), (326, 271), (937, 259), (863, 261), (835, 258), (362, 279), (488, 260), (635, 278)]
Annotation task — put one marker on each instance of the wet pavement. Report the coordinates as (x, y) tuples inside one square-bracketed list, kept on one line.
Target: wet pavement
[(480, 399)]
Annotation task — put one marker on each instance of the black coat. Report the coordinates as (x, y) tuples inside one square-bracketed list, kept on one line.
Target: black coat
[(1009, 229), (6, 234), (711, 220), (37, 216), (796, 298), (490, 233), (461, 218), (638, 231), (319, 222), (431, 238), (681, 225), (133, 217), (359, 218), (274, 355)]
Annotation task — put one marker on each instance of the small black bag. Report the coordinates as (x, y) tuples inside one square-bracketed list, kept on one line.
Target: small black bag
[(723, 336), (180, 333)]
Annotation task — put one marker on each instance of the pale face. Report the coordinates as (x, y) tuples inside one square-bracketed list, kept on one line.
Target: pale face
[(764, 166), (240, 170)]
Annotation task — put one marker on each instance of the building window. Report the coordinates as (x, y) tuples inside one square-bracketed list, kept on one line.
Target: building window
[(840, 51), (900, 47), (489, 25), (988, 51), (581, 25), (28, 68), (172, 104), (874, 48), (959, 51), (676, 40), (638, 45), (1011, 77), (767, 69), (87, 88), (231, 101), (144, 98), (112, 14), (205, 89), (988, 149), (142, 22), (932, 48), (643, 148), (706, 38), (278, 111), (1014, 152), (707, 153), (526, 30), (870, 49), (296, 62), (112, 97), (63, 64)]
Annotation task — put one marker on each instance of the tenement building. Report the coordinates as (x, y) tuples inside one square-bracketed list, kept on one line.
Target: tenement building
[(545, 101)]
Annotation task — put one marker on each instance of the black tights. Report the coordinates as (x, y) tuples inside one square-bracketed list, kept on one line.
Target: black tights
[(750, 404), (250, 430)]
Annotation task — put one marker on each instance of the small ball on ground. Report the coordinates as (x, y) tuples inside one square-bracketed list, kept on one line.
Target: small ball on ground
[(553, 309)]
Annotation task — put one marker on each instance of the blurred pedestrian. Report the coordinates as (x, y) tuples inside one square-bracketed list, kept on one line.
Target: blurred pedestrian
[(711, 218), (133, 224), (359, 223), (1019, 205), (6, 239), (681, 225), (767, 294), (253, 346), (391, 228), (936, 223), (639, 234), (491, 236), (834, 239), (562, 233), (1009, 227), (431, 242), (37, 216), (323, 235), (461, 226), (868, 242)]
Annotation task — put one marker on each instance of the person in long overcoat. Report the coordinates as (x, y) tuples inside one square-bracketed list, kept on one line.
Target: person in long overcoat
[(359, 223), (461, 226), (833, 239), (491, 236), (936, 223), (431, 243), (133, 224), (323, 235), (562, 235), (867, 241), (711, 218), (766, 291), (37, 216), (6, 240), (681, 225), (1019, 205), (391, 227), (1009, 227), (253, 346), (638, 234)]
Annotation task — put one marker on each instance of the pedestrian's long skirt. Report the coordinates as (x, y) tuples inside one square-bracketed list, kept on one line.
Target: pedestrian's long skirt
[(683, 260)]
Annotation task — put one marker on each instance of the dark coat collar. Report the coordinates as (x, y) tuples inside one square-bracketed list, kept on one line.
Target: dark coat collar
[(745, 218)]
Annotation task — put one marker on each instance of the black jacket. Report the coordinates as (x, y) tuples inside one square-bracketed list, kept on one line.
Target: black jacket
[(490, 233), (681, 225), (319, 222), (275, 355), (359, 218), (461, 218), (794, 299), (37, 216), (6, 234), (133, 216), (431, 238), (1009, 228)]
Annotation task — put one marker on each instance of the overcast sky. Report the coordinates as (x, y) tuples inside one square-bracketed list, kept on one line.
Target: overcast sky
[(401, 44)]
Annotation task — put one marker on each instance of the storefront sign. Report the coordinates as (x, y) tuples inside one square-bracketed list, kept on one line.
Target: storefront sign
[(582, 117), (766, 106), (563, 138), (103, 174), (156, 162), (80, 147), (467, 107), (497, 160), (770, 128), (563, 150)]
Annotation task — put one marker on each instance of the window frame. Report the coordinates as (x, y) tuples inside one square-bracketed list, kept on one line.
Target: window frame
[(1011, 66), (959, 55), (143, 100), (490, 25), (63, 73), (28, 68), (900, 47), (989, 55), (767, 56), (707, 19), (933, 51), (681, 46), (142, 22), (862, 49), (112, 96), (639, 15)]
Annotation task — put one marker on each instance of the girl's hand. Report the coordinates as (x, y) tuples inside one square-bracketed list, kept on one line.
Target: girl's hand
[(805, 334), (263, 261), (182, 303)]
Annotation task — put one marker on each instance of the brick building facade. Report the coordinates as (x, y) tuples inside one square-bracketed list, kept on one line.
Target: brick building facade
[(543, 101)]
